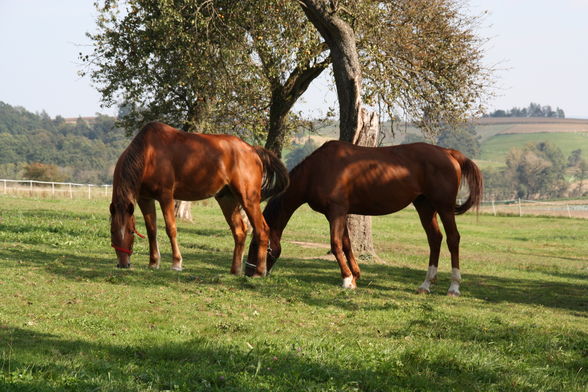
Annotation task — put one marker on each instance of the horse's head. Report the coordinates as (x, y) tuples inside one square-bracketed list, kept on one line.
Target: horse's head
[(122, 232), (273, 253)]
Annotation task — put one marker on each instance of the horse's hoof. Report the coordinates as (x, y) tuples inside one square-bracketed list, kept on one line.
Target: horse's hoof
[(422, 290), (348, 283), (453, 293), (176, 268), (154, 266)]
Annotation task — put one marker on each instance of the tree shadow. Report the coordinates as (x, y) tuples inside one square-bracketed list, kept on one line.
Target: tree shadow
[(492, 289), (54, 362)]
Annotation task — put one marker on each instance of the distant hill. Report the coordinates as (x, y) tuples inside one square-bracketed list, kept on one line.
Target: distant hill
[(83, 149), (500, 135), (497, 135)]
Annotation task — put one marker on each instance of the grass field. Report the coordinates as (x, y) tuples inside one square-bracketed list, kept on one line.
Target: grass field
[(71, 321), (497, 147)]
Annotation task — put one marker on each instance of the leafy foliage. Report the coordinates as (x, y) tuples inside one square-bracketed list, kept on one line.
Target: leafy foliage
[(210, 66), (83, 151), (238, 67), (534, 171)]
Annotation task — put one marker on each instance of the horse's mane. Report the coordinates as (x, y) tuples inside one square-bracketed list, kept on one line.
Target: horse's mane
[(129, 170), (272, 209)]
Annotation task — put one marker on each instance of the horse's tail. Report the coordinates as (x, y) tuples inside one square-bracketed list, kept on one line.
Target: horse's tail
[(473, 176), (275, 174)]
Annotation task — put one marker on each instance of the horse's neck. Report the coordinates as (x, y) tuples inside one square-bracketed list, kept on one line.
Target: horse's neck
[(283, 211)]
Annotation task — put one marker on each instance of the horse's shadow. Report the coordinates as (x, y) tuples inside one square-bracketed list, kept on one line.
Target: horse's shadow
[(205, 266), (489, 288)]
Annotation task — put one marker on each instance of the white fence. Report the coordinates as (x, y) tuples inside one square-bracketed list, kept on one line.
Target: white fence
[(50, 189), (61, 190), (519, 207)]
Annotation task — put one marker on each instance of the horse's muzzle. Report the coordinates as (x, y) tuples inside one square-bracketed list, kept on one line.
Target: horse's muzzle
[(123, 265)]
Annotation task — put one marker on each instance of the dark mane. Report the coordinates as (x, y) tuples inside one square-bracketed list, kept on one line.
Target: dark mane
[(128, 171), (272, 209)]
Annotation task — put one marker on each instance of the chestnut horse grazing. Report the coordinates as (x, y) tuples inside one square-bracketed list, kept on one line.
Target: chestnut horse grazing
[(341, 178), (163, 163)]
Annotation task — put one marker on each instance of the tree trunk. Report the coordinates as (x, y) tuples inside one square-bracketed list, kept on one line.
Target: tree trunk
[(183, 210), (284, 96), (340, 38), (360, 226), (353, 127)]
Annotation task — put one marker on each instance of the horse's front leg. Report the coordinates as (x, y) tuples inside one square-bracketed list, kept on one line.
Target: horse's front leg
[(337, 226), (232, 213), (260, 234), (148, 209), (167, 206)]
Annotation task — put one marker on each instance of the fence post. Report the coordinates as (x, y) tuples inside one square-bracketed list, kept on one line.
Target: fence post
[(493, 207), (53, 190), (5, 190), (70, 192), (31, 187), (520, 208), (89, 192), (569, 212)]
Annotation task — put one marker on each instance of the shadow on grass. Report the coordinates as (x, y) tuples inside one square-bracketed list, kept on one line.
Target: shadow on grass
[(44, 362), (204, 266), (493, 289)]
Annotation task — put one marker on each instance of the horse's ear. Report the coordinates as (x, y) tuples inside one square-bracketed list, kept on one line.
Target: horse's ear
[(111, 209), (131, 208)]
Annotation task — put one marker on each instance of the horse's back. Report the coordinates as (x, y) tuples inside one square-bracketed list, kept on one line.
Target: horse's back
[(376, 180), (195, 166)]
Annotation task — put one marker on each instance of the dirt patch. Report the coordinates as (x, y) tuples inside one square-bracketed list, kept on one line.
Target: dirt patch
[(315, 245), (312, 245)]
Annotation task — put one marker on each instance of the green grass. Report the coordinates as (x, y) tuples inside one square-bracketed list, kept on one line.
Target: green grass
[(496, 147), (71, 321)]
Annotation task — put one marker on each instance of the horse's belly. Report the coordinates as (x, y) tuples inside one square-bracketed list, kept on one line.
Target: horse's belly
[(374, 203), (377, 209)]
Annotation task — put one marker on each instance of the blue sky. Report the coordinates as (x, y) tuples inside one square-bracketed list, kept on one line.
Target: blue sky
[(539, 46)]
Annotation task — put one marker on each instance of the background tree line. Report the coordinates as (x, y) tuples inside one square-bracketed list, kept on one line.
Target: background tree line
[(533, 110), (34, 146)]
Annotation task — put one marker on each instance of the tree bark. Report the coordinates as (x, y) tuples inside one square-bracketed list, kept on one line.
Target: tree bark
[(360, 226), (183, 210), (284, 97), (340, 38)]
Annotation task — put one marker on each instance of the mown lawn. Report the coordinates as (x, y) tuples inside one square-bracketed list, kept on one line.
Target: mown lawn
[(71, 321)]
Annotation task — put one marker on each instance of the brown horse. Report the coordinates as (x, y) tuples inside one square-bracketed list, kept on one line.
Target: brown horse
[(163, 163), (341, 178)]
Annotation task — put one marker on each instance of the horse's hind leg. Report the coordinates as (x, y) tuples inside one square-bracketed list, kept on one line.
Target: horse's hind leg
[(428, 217), (148, 209), (348, 251), (167, 206), (337, 225), (453, 238), (232, 212)]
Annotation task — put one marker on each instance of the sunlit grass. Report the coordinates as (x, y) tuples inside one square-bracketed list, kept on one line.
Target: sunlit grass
[(69, 320)]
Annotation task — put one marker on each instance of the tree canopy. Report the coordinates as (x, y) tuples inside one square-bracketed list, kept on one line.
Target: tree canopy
[(238, 67)]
